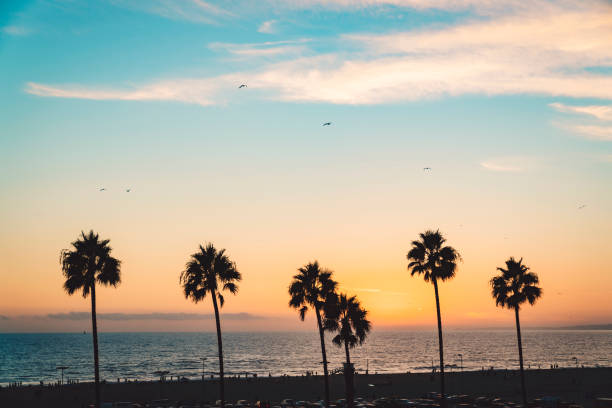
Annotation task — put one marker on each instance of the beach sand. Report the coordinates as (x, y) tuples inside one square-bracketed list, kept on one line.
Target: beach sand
[(581, 385)]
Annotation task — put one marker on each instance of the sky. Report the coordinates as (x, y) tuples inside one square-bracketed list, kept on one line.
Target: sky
[(508, 102)]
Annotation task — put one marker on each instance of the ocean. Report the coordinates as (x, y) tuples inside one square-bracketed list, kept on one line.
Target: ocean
[(30, 358)]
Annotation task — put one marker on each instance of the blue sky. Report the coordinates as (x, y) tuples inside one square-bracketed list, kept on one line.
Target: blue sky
[(508, 103)]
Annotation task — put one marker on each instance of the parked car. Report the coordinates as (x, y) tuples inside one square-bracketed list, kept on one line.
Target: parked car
[(287, 402)]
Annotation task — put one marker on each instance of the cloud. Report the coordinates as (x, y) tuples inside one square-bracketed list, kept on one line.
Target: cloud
[(512, 164), (263, 49), (479, 6), (16, 30), (593, 132), (601, 112), (546, 53), (375, 290), (203, 91), (150, 316), (203, 11), (550, 51), (477, 315), (370, 290), (196, 11), (267, 27)]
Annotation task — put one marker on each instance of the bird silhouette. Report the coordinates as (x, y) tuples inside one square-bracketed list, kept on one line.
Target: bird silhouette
[(327, 124), (242, 86), (580, 207)]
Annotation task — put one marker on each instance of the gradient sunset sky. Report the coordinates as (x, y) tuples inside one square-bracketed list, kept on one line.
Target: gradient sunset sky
[(508, 102)]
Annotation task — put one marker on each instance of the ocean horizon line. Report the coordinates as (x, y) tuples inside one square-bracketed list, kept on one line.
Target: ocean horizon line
[(602, 327)]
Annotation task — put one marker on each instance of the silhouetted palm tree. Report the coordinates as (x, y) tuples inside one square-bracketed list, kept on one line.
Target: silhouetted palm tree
[(89, 261), (313, 287), (430, 258), (345, 315), (514, 286), (206, 271)]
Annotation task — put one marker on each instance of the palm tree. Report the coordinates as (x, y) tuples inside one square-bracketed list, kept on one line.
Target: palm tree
[(313, 287), (345, 315), (436, 262), (89, 261), (206, 271), (512, 287)]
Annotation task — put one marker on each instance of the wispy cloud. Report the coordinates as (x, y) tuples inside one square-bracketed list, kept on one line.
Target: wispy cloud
[(593, 132), (489, 165), (204, 91), (479, 6), (263, 49), (548, 52), (601, 112), (200, 11), (595, 129), (369, 290), (150, 316), (509, 164), (16, 30), (196, 11), (267, 27), (376, 290), (477, 315)]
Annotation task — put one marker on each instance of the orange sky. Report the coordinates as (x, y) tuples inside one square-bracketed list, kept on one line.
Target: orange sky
[(367, 256)]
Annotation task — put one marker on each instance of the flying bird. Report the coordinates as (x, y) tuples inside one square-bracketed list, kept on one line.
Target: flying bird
[(327, 124), (580, 207), (242, 86)]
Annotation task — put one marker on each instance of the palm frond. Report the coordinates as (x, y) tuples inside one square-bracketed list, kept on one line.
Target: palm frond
[(110, 273), (89, 261), (74, 283), (430, 258), (303, 311), (311, 286), (515, 285), (206, 271), (349, 320), (231, 287)]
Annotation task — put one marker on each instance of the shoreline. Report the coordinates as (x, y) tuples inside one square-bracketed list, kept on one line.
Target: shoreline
[(579, 385), (450, 369)]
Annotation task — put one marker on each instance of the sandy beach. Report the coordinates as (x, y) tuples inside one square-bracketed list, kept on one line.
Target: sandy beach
[(580, 385)]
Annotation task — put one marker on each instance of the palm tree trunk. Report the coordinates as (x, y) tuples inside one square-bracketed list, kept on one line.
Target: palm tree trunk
[(520, 349), (349, 373), (94, 331), (325, 374), (220, 348), (441, 345), (346, 350)]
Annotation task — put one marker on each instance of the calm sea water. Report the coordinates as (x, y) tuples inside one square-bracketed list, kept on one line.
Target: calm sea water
[(31, 358)]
